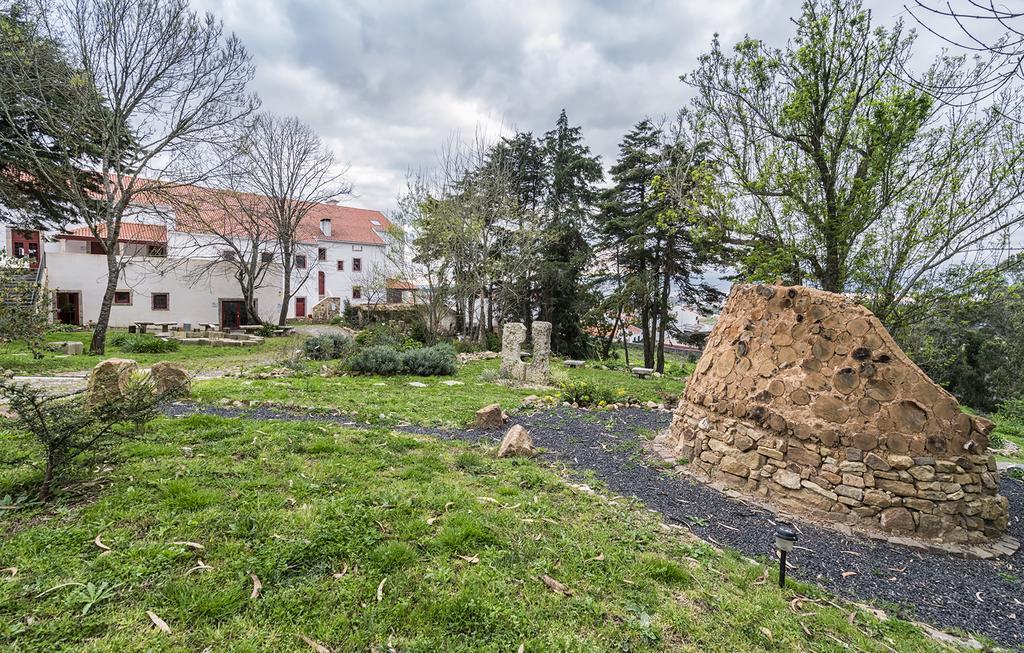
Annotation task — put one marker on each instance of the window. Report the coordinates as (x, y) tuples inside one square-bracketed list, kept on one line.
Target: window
[(122, 298), (341, 266), (357, 248), (321, 254), (375, 223), (300, 262), (357, 265), (96, 247), (161, 301), (357, 292), (227, 254), (266, 257), (156, 250)]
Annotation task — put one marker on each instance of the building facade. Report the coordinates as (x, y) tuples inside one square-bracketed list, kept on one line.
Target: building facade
[(176, 268)]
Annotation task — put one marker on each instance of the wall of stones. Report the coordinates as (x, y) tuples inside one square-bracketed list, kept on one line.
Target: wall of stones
[(803, 398)]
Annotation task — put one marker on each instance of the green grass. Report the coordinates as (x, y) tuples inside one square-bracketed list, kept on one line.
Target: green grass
[(14, 356), (390, 399), (374, 541), (1011, 430)]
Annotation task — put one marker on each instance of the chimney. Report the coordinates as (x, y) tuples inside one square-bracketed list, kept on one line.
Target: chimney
[(325, 227)]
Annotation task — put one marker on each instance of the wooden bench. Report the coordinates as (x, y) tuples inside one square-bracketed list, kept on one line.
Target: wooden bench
[(569, 362), (642, 372)]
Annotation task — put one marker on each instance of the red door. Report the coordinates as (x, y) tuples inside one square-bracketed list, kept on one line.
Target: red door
[(321, 281), (300, 307), (26, 244)]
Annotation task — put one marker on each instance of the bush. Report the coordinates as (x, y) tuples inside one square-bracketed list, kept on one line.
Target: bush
[(438, 360), (331, 346), (378, 359), (380, 335), (67, 425), (466, 346), (493, 341), (143, 343), (585, 393), (336, 320), (1012, 409)]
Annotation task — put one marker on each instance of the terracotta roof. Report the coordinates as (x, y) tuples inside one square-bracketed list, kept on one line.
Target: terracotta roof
[(130, 232), (200, 210), (399, 284)]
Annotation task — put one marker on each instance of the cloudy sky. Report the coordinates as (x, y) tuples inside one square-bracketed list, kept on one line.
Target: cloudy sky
[(385, 82)]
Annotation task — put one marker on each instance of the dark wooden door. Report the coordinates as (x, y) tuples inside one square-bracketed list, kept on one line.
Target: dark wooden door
[(68, 310), (300, 307), (321, 282), (231, 313)]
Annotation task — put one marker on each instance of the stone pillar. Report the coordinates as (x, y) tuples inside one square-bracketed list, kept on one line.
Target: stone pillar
[(538, 372), (513, 335)]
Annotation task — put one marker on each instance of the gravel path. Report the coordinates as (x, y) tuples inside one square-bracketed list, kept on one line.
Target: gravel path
[(980, 596)]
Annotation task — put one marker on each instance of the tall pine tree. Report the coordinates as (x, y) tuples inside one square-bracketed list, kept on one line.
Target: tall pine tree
[(566, 252)]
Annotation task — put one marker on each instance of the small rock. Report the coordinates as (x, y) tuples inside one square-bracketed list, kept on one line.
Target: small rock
[(417, 384), (489, 417), (517, 442)]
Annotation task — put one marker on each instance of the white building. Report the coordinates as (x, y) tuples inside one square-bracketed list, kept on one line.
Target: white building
[(175, 270)]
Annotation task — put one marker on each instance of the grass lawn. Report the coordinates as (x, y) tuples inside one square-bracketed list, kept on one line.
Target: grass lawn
[(374, 541), (14, 356), (389, 400), (1011, 430)]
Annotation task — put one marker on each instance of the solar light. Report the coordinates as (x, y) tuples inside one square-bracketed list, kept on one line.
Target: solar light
[(785, 539)]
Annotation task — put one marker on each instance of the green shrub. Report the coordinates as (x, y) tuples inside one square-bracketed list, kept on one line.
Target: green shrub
[(267, 330), (117, 338), (438, 360), (378, 359), (1012, 409), (585, 393), (466, 346), (331, 346), (380, 335), (493, 341), (336, 320), (143, 343)]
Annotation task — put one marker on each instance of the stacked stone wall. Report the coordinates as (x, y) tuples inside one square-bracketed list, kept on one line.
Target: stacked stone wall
[(803, 398)]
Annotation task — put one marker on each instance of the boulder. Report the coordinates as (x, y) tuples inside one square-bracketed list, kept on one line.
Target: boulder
[(490, 417), (109, 379), (517, 442), (170, 379)]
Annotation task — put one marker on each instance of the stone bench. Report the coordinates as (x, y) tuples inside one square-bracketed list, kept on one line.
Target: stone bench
[(70, 347), (642, 372), (573, 363)]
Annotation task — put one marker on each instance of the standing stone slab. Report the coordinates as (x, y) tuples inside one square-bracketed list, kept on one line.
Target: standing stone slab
[(513, 335), (538, 372)]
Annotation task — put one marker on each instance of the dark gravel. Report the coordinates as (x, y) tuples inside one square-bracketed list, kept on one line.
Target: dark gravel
[(979, 596)]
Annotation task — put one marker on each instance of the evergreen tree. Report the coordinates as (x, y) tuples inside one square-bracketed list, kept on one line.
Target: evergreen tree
[(566, 252)]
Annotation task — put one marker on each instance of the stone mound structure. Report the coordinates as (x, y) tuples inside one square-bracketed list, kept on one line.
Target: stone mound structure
[(538, 370), (803, 398)]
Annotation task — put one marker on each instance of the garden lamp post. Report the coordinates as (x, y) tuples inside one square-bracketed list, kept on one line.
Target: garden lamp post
[(785, 539)]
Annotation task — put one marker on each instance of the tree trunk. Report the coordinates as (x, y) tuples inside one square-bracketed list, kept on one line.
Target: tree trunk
[(666, 288), (625, 346), (99, 334), (611, 336), (286, 288), (45, 490)]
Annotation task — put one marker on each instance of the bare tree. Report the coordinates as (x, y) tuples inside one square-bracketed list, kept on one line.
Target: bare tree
[(172, 83), (286, 162), (230, 232), (993, 32)]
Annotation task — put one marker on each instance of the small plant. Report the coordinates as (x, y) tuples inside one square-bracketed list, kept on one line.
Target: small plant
[(327, 347), (336, 320), (585, 393), (267, 330), (68, 425), (378, 359), (90, 594), (142, 343), (438, 360)]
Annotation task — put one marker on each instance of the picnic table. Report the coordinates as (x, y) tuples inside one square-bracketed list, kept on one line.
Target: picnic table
[(165, 326), (142, 326)]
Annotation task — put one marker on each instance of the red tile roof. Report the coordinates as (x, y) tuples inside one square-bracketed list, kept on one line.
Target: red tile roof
[(201, 210), (130, 232), (399, 284)]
